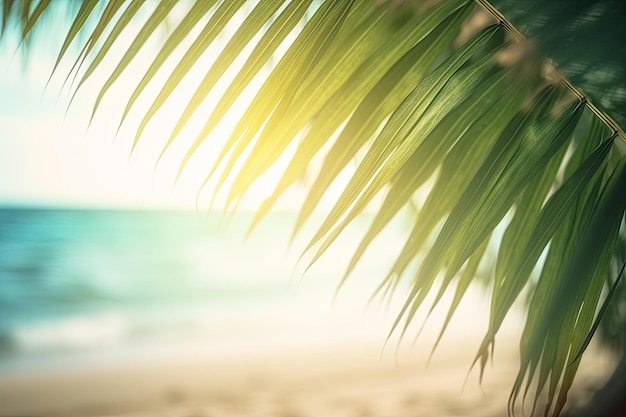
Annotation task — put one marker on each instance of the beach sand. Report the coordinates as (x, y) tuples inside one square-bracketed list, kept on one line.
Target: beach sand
[(302, 358), (341, 382), (331, 367)]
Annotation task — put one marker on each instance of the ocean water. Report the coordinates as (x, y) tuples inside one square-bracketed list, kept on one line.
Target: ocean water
[(78, 285)]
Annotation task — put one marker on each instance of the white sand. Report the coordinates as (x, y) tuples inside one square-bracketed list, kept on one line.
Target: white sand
[(326, 366)]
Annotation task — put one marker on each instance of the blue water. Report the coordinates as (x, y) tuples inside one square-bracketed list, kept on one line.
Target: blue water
[(75, 281)]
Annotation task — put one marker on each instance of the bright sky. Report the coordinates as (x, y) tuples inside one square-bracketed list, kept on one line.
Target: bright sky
[(50, 158)]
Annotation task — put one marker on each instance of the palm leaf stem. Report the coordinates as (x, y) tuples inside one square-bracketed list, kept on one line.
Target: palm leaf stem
[(504, 22)]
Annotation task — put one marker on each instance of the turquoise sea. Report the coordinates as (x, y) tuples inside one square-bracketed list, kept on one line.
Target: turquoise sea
[(84, 285)]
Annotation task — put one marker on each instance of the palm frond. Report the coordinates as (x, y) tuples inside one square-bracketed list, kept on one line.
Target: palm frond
[(463, 113)]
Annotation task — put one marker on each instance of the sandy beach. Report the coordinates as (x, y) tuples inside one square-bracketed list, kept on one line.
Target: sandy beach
[(331, 366)]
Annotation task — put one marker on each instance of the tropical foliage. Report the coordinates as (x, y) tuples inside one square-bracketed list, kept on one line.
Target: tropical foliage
[(445, 107)]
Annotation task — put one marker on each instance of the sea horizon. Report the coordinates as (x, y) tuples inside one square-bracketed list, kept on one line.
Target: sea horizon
[(87, 284)]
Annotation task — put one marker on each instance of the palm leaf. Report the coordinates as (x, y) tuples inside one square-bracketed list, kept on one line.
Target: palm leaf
[(263, 51), (435, 105), (378, 104)]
